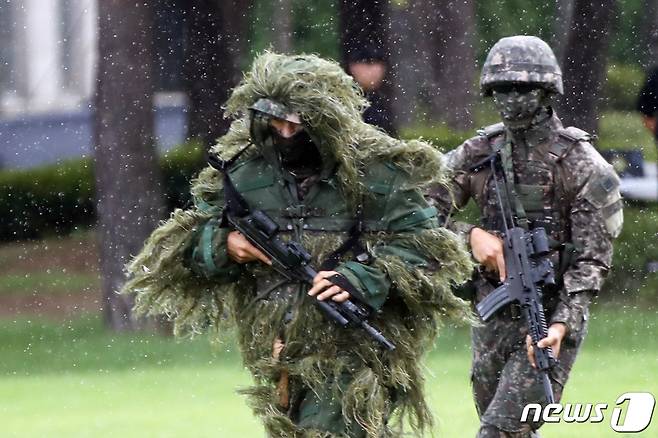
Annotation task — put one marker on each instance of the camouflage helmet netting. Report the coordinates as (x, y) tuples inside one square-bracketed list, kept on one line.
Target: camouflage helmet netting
[(521, 59)]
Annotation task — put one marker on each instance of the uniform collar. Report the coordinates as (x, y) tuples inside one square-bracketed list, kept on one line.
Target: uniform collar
[(541, 129)]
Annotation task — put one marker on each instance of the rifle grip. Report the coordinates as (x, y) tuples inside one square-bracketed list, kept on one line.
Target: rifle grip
[(341, 281)]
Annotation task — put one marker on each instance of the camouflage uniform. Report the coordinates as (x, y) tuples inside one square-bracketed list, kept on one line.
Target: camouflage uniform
[(563, 185)]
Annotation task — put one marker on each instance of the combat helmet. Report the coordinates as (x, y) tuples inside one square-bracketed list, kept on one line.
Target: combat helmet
[(261, 113), (275, 109), (521, 59)]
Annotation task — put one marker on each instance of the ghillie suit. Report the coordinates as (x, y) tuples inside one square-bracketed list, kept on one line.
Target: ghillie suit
[(341, 383)]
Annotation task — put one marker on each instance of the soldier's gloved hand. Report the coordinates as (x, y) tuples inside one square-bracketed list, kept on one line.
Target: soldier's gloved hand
[(326, 288), (553, 339), (488, 250), (240, 250)]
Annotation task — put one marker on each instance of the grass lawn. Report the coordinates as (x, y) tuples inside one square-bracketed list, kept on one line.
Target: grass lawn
[(624, 130), (73, 379)]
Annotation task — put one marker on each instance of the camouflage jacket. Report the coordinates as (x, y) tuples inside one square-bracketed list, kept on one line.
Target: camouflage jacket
[(564, 186), (310, 215)]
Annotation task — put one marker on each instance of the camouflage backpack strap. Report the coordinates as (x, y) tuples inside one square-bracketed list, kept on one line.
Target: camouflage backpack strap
[(495, 140), (566, 139), (492, 131), (501, 147)]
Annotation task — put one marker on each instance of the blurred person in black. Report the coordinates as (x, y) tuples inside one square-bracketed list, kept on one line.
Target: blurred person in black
[(364, 44), (647, 101)]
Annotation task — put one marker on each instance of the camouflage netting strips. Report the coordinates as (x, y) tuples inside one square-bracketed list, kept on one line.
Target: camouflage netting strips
[(330, 104)]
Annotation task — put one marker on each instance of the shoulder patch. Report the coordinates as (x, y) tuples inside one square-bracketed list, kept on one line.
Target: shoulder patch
[(602, 191)]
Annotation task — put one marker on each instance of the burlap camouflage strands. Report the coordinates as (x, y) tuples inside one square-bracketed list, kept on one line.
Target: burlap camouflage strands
[(339, 382)]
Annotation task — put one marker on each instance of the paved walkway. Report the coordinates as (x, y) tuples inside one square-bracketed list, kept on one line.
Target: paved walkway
[(644, 188)]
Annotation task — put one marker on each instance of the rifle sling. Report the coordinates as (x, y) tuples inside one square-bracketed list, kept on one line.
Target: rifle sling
[(504, 149), (235, 202), (351, 243)]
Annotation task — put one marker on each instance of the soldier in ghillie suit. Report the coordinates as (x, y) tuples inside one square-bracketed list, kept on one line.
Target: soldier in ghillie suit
[(316, 169), (555, 180)]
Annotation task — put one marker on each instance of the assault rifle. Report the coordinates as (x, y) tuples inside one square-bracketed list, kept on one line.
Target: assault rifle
[(290, 258), (528, 268)]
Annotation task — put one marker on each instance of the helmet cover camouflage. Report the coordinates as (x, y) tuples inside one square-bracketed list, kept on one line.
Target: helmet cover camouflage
[(275, 109), (521, 59)]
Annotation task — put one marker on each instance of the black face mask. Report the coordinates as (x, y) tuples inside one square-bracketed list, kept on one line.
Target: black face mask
[(298, 154)]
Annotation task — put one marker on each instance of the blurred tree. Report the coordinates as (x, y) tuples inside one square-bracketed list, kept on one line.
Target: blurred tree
[(627, 37), (216, 40), (282, 18), (365, 51), (406, 63), (651, 33), (437, 70), (169, 42), (453, 61), (129, 198), (313, 27), (563, 18), (584, 62), (501, 18)]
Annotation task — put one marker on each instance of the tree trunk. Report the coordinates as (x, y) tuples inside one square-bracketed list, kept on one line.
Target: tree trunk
[(453, 61), (282, 24), (404, 75), (584, 65), (216, 37), (562, 24), (436, 71), (651, 9), (129, 197), (422, 17)]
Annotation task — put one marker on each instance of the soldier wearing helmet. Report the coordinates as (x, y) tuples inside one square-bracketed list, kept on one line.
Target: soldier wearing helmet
[(556, 180)]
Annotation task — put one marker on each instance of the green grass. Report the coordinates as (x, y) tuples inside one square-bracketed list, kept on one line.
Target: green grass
[(624, 130), (76, 380), (66, 264), (54, 282)]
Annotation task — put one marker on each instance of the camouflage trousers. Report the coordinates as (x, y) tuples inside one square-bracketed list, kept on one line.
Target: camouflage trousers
[(318, 413), (322, 410), (503, 379)]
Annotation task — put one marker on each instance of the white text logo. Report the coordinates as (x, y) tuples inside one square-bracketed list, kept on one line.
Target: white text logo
[(637, 406)]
